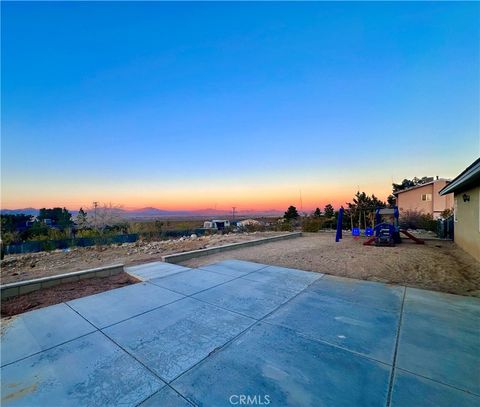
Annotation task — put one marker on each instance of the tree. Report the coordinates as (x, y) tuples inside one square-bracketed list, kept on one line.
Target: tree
[(409, 183), (14, 223), (363, 206), (107, 217), (317, 213), (375, 203), (391, 200), (82, 219), (328, 211), (38, 229), (291, 213), (59, 216)]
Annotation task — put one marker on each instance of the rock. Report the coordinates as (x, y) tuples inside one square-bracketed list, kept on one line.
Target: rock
[(193, 236)]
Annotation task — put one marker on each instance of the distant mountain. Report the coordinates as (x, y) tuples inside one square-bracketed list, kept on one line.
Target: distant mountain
[(151, 212), (24, 211)]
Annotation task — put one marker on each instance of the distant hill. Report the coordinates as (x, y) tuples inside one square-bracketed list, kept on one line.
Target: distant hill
[(24, 211), (152, 213)]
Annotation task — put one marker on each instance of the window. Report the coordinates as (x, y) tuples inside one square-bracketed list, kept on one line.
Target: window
[(426, 197)]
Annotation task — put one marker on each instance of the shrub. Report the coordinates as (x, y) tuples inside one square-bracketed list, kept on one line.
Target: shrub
[(418, 220), (428, 223), (285, 227), (447, 213), (330, 224), (11, 238), (254, 228), (312, 224), (88, 233)]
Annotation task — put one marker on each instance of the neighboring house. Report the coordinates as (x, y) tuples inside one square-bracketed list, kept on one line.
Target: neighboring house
[(216, 224), (425, 198), (466, 190)]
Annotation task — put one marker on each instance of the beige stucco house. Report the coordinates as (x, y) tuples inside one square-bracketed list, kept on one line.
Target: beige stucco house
[(425, 198), (466, 190)]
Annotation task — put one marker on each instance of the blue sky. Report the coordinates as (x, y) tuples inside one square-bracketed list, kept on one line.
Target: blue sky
[(187, 105)]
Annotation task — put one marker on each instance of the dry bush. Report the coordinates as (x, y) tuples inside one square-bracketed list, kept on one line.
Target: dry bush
[(312, 224), (413, 219)]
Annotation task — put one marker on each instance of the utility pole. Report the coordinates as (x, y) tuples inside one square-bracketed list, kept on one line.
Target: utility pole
[(95, 204), (233, 212)]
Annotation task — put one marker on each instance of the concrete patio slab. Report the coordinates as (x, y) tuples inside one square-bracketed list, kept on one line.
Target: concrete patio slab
[(34, 331), (284, 277), (166, 397), (89, 371), (251, 298), (329, 342), (236, 268), (172, 339), (369, 331), (154, 270), (410, 390), (368, 293), (285, 369), (113, 306), (191, 281), (440, 338)]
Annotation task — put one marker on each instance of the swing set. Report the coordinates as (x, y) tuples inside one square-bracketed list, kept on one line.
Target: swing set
[(384, 229)]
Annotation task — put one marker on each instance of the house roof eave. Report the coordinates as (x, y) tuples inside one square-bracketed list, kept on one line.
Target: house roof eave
[(468, 177)]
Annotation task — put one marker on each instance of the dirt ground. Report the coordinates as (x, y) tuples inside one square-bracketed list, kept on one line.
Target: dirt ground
[(437, 265), (63, 292), (35, 265)]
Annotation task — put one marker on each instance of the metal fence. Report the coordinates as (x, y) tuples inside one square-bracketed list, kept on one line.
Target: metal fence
[(445, 228), (60, 244)]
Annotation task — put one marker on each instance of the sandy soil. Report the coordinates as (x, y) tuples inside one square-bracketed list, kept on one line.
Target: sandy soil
[(63, 292), (437, 265), (34, 265)]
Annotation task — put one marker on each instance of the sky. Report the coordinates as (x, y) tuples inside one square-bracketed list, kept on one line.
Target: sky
[(212, 105)]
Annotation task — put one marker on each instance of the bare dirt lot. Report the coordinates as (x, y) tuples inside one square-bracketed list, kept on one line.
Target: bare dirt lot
[(437, 265), (63, 292), (34, 265)]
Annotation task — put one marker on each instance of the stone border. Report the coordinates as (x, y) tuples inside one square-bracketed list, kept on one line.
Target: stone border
[(179, 257), (23, 287)]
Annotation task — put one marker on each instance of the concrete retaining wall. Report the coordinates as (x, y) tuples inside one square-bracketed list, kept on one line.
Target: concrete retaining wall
[(23, 287), (179, 257)]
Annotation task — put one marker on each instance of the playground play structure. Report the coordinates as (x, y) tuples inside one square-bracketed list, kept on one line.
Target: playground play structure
[(384, 232)]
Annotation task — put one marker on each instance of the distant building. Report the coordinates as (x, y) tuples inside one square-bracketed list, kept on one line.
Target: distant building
[(216, 224), (425, 198), (466, 191)]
